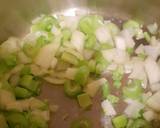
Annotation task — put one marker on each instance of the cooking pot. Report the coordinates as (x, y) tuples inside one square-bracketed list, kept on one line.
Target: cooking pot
[(16, 16)]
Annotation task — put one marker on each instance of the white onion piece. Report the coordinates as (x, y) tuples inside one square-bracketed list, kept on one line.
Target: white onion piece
[(120, 43), (155, 86), (152, 51), (46, 54), (128, 38), (154, 101), (152, 70), (152, 28), (149, 115), (23, 58), (106, 122), (53, 62), (77, 40), (121, 56), (138, 72), (70, 73), (133, 108), (103, 35), (107, 108)]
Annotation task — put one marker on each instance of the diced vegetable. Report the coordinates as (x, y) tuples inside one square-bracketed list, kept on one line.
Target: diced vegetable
[(88, 24), (72, 89), (108, 108), (84, 101), (105, 90), (93, 87), (90, 42), (113, 28), (67, 57), (154, 101), (120, 121), (82, 75), (66, 35), (26, 70), (152, 28), (133, 90), (22, 93), (3, 122), (113, 99)]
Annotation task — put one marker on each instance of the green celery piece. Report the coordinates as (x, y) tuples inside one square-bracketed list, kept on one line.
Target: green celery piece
[(26, 70), (3, 67), (147, 36), (15, 119), (11, 60), (133, 90), (67, 57), (131, 24), (140, 123), (7, 86), (84, 101), (105, 90), (22, 93), (130, 51), (72, 89), (90, 42), (28, 82), (113, 99), (117, 74), (101, 62), (88, 24), (41, 41), (81, 123), (82, 75), (66, 35), (120, 121), (92, 66), (3, 122), (45, 24), (37, 122), (113, 28), (117, 84)]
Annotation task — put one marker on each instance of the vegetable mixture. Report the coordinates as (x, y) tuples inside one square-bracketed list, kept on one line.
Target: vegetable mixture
[(82, 53)]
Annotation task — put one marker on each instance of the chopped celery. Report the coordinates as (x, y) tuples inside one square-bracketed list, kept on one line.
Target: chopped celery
[(26, 70), (45, 24), (28, 82), (37, 121), (7, 86), (117, 83), (90, 42), (142, 56), (88, 24), (84, 101), (21, 93), (130, 51), (41, 41), (140, 123), (16, 120), (72, 89), (133, 90), (117, 74), (66, 35), (101, 62), (105, 90), (81, 123), (82, 75), (113, 99), (3, 121), (67, 57), (3, 67), (131, 24), (11, 60), (113, 28), (92, 66), (120, 121), (147, 36)]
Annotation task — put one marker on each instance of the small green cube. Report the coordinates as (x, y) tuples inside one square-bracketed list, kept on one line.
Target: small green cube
[(120, 121), (84, 100)]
